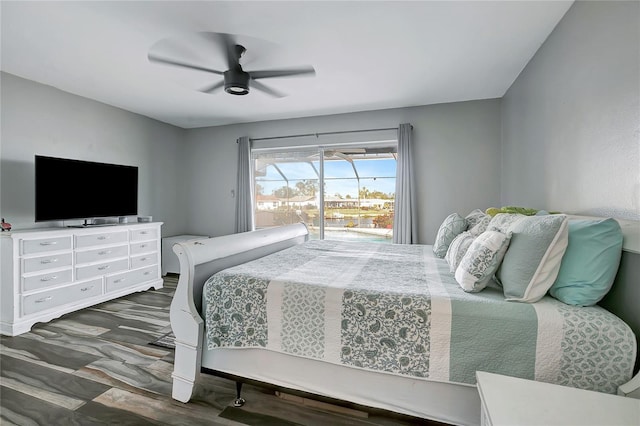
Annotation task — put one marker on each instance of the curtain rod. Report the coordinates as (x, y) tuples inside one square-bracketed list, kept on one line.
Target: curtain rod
[(323, 133)]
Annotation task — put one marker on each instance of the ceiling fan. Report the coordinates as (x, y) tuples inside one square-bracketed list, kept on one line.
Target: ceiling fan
[(236, 81)]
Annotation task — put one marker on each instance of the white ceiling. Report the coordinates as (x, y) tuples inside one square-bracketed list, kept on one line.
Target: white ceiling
[(367, 55)]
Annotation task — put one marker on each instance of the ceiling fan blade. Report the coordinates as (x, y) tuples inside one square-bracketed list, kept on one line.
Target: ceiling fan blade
[(287, 72), (266, 89), (213, 87), (225, 43), (229, 48), (153, 58)]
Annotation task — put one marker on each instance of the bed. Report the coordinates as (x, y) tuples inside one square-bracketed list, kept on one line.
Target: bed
[(385, 326)]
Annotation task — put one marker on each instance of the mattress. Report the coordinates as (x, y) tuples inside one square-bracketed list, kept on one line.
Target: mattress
[(396, 309)]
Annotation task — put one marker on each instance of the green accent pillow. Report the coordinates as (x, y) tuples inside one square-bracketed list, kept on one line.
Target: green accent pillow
[(590, 264), (453, 225), (481, 261), (492, 211), (533, 259)]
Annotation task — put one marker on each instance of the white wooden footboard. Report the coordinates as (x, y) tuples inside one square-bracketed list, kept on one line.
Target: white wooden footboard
[(199, 259)]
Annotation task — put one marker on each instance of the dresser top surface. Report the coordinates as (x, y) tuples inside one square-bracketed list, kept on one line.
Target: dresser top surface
[(81, 229)]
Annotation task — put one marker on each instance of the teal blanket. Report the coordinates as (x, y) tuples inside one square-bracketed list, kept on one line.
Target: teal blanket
[(398, 309)]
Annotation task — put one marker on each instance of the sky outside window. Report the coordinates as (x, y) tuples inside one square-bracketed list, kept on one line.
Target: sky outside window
[(375, 174)]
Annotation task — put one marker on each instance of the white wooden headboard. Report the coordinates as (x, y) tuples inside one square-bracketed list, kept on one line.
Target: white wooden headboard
[(631, 232)]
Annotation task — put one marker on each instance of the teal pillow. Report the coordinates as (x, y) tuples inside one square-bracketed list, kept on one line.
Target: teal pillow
[(590, 262), (531, 264)]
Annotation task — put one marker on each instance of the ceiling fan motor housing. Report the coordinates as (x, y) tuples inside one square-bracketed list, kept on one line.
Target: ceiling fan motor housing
[(236, 81)]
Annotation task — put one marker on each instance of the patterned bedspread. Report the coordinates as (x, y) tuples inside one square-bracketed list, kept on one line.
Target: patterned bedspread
[(398, 309)]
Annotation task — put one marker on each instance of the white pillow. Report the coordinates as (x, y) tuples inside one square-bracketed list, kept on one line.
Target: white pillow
[(502, 221), (457, 249), (474, 217), (533, 260), (482, 260), (480, 226), (453, 225)]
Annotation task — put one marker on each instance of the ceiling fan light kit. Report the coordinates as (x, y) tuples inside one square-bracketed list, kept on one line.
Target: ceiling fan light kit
[(236, 82)]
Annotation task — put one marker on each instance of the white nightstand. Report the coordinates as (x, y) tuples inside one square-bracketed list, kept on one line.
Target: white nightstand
[(510, 401), (170, 261)]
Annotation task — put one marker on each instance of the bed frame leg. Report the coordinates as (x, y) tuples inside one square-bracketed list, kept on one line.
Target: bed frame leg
[(239, 402)]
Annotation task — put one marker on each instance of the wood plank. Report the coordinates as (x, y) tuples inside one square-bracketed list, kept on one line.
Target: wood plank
[(319, 405), (54, 386), (41, 353), (169, 412), (25, 410)]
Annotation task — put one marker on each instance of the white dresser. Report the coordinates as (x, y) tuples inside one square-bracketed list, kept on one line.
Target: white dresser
[(48, 272)]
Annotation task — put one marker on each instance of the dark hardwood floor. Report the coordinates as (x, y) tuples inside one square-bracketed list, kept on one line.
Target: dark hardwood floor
[(96, 367)]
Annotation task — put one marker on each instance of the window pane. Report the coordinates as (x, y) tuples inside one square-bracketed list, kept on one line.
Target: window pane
[(359, 194), (286, 188), (359, 191)]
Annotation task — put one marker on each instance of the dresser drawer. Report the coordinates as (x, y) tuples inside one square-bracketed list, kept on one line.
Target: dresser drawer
[(60, 296), (46, 244), (131, 278), (144, 260), (144, 234), (101, 239), (46, 280), (101, 254), (144, 247), (84, 272), (43, 263)]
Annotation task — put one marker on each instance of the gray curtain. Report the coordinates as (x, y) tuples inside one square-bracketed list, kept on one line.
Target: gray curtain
[(405, 230), (244, 196)]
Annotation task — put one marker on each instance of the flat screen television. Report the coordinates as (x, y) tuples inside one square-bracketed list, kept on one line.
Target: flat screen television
[(73, 189)]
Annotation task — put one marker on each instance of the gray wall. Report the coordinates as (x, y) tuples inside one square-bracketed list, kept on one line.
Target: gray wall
[(456, 157), (38, 119), (186, 176), (571, 129), (571, 120)]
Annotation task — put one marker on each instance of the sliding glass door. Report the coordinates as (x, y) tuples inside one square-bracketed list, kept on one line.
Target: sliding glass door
[(340, 192), (286, 187)]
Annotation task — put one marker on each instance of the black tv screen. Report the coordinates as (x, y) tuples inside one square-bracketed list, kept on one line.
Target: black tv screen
[(74, 189)]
